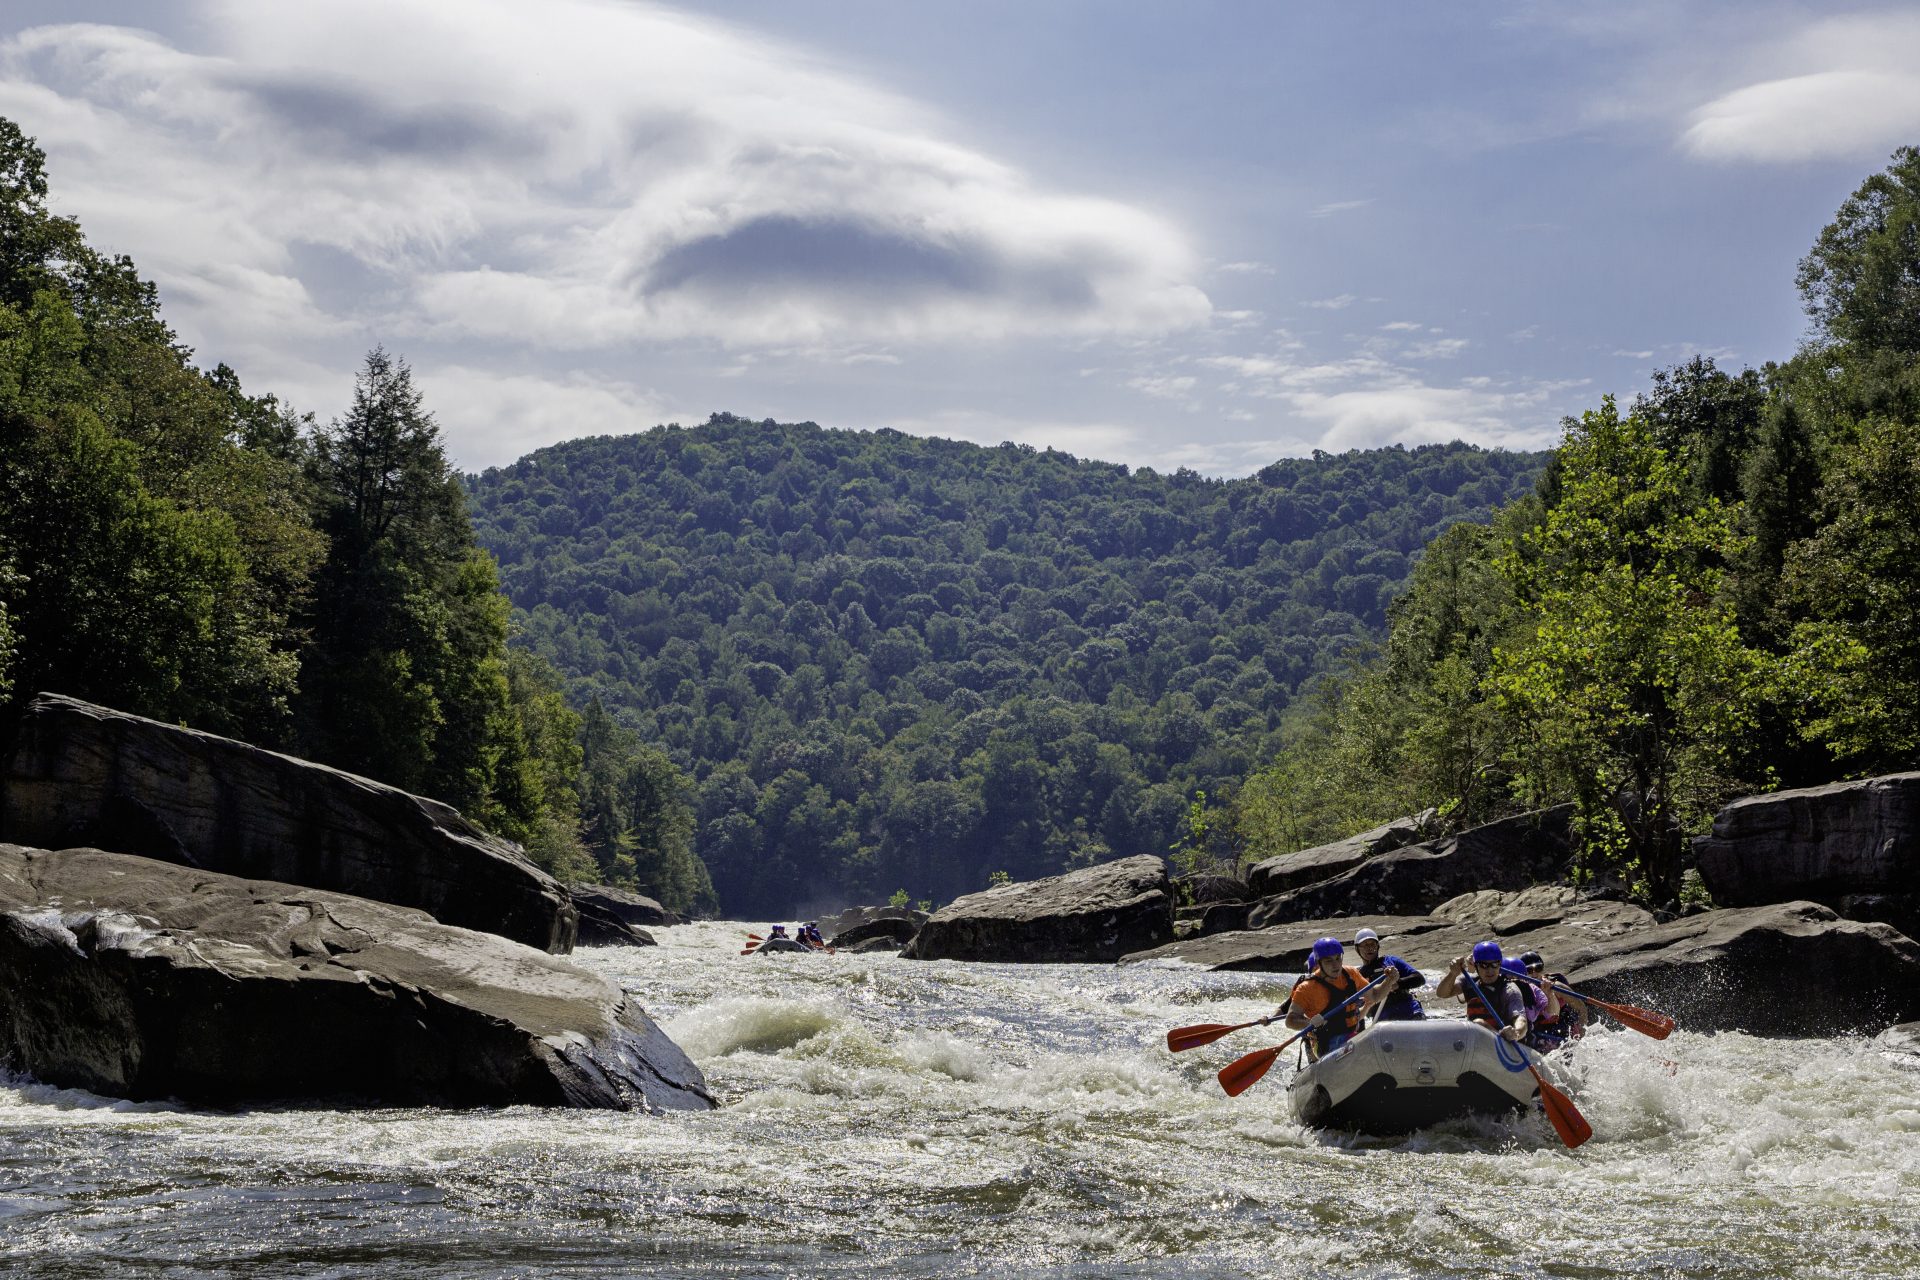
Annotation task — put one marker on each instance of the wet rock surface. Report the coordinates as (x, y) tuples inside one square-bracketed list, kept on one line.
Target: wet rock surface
[(1094, 915), (144, 979), (81, 774)]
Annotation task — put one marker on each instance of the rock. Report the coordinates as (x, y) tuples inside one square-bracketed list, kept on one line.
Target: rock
[(1510, 854), (86, 775), (611, 916), (1901, 1044), (143, 979), (1499, 913), (867, 946), (845, 920), (1788, 969), (1201, 891), (1093, 915), (1284, 949), (1308, 866), (1854, 846), (893, 930)]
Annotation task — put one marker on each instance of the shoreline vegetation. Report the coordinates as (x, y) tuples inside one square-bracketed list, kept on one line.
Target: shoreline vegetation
[(742, 666)]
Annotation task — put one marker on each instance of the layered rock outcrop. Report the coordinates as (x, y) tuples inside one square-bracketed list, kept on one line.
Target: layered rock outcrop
[(81, 774), (144, 979), (1094, 915), (1854, 846), (611, 916)]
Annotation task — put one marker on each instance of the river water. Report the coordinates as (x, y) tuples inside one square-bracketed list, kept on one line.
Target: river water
[(884, 1117)]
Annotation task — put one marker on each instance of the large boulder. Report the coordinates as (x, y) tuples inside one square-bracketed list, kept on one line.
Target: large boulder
[(86, 775), (1854, 846), (1790, 969), (842, 921), (144, 979), (1094, 915), (1308, 866), (611, 916), (1510, 854), (894, 931), (1499, 912)]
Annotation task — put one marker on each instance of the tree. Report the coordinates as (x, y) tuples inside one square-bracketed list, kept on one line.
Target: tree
[(1629, 682), (1861, 281)]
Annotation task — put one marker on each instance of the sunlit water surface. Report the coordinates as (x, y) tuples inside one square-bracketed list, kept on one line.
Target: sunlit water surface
[(887, 1117)]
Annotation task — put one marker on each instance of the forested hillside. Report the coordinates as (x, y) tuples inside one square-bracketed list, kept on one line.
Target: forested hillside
[(896, 663)]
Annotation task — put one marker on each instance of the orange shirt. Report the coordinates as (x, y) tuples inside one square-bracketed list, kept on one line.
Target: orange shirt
[(1311, 996)]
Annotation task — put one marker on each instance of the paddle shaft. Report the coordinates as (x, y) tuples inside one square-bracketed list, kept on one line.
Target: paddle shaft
[(1561, 1113), (1237, 1076), (1645, 1021)]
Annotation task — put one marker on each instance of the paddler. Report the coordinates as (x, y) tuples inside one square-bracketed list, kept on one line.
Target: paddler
[(1401, 1006), (1328, 982), (1508, 1012)]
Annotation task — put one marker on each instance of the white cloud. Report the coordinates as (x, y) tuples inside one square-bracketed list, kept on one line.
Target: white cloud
[(576, 175), (1437, 349), (1339, 302), (1245, 268), (1340, 206), (1847, 88), (1163, 388), (1402, 326), (1634, 355), (491, 418)]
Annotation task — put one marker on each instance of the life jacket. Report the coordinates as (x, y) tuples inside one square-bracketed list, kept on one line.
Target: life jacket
[(1495, 991), (1338, 1026)]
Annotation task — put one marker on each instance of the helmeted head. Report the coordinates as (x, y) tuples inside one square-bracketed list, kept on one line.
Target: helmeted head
[(1514, 967), (1487, 953), (1327, 949), (779, 931), (1364, 937), (1532, 962)]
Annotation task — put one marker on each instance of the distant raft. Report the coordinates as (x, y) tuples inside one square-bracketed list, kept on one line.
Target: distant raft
[(1395, 1077), (782, 944)]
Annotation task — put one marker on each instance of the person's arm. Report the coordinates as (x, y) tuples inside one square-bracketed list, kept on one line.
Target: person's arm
[(1450, 985), (1552, 1011), (1299, 1019), (1410, 977), (1517, 1025), (1383, 986)]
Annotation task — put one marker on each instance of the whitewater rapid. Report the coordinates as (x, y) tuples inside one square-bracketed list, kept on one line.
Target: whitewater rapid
[(890, 1117)]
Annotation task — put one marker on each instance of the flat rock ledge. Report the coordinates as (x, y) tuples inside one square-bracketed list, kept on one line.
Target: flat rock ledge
[(88, 775), (142, 979), (1092, 916)]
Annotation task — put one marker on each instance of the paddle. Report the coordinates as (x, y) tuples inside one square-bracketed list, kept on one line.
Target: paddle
[(1564, 1116), (1238, 1076), (1645, 1021), (1183, 1038)]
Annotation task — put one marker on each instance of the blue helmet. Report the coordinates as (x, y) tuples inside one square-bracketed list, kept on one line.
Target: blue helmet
[(1514, 967), (1327, 949), (1486, 952)]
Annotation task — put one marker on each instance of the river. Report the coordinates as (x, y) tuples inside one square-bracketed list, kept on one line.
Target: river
[(884, 1117)]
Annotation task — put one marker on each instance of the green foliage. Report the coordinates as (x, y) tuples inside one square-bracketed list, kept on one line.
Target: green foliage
[(892, 660), (994, 881), (1630, 686), (1859, 281), (637, 822), (899, 899)]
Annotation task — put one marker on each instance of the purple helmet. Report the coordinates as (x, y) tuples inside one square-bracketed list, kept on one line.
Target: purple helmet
[(1327, 949), (1486, 952), (1514, 967)]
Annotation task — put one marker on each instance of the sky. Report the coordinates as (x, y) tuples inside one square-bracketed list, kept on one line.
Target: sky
[(1202, 235)]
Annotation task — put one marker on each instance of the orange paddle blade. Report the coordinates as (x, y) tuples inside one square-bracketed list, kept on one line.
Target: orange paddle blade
[(1182, 1038), (1565, 1117), (756, 937), (1645, 1021), (749, 950), (1239, 1075)]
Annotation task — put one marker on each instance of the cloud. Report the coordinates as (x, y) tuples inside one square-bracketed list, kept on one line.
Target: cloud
[(1245, 268), (1437, 349), (577, 175), (1340, 302), (490, 418), (1164, 388), (1842, 89), (1402, 326), (1339, 206), (1634, 355)]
